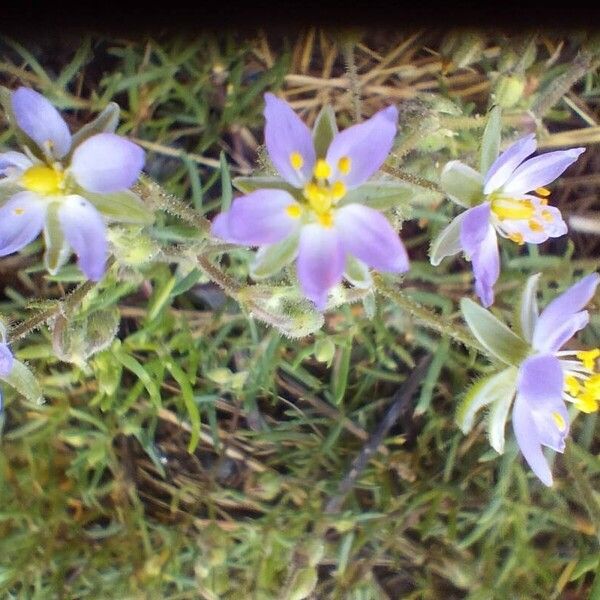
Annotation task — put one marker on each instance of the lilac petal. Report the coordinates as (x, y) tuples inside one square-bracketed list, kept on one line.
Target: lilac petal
[(368, 235), (106, 163), (321, 262), (6, 360), (85, 231), (21, 221), (528, 440), (367, 145), (257, 219), (14, 160), (41, 121), (555, 317), (480, 244), (504, 166), (540, 385), (540, 171), (285, 135)]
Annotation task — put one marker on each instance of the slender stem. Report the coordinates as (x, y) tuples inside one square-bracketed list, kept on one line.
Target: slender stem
[(354, 80), (425, 316), (411, 178)]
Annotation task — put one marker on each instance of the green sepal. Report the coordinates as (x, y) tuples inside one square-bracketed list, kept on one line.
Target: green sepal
[(357, 273), (324, 130), (105, 122), (22, 380), (22, 138), (490, 143), (123, 207), (496, 421), (380, 195), (251, 184), (487, 390), (271, 259), (462, 184), (499, 341), (57, 248), (526, 310), (447, 243)]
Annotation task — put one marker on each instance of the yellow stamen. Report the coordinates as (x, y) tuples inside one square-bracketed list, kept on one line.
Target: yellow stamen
[(559, 420), (294, 210), (542, 191), (544, 201), (589, 357), (547, 216), (42, 180), (593, 384), (535, 225), (318, 197), (587, 403), (325, 219), (508, 208), (296, 160), (344, 165), (338, 190), (517, 237), (572, 386), (322, 169)]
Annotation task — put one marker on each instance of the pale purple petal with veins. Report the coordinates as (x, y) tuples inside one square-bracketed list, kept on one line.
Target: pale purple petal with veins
[(368, 235), (41, 121), (367, 145), (85, 231), (257, 219), (504, 166), (564, 314), (21, 221), (540, 416), (321, 262), (6, 360), (540, 171), (106, 163), (286, 134), (480, 244)]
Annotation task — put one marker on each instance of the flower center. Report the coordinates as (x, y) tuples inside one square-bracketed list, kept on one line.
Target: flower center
[(43, 180), (582, 380)]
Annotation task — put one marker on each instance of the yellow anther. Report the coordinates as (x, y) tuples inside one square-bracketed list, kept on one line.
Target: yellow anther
[(547, 216), (559, 420), (19, 211), (572, 386), (294, 210), (338, 190), (593, 384), (589, 357), (542, 191), (344, 165), (517, 237), (322, 169), (325, 219), (296, 160), (544, 201), (535, 225), (42, 180), (587, 403), (508, 208)]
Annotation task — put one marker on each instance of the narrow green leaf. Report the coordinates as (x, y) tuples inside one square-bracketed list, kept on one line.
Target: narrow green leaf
[(251, 184), (24, 382), (131, 364), (324, 130), (188, 399), (490, 143), (226, 189), (271, 259), (483, 392), (494, 336), (122, 207)]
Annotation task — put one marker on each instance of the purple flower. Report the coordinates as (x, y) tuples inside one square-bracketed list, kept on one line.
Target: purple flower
[(541, 375), (56, 183), (549, 376), (510, 201), (310, 204)]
